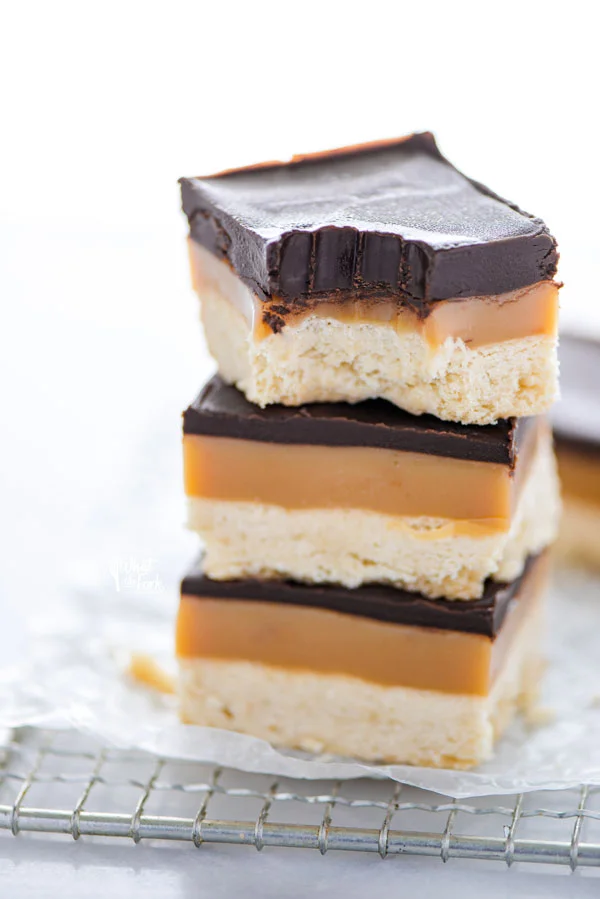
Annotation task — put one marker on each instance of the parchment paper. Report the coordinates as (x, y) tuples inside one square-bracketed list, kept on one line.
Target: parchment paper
[(72, 679)]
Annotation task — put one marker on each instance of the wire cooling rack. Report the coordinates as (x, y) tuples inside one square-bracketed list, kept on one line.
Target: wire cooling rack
[(65, 783)]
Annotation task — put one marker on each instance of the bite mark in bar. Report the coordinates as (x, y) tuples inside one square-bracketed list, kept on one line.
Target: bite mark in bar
[(529, 311), (375, 271), (395, 216)]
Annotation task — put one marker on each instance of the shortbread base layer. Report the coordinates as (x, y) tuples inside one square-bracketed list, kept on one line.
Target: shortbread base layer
[(579, 534), (325, 360), (353, 547), (350, 717)]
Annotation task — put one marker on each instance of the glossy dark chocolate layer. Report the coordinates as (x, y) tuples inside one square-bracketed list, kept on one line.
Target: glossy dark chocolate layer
[(394, 217), (479, 616), (222, 411), (576, 416)]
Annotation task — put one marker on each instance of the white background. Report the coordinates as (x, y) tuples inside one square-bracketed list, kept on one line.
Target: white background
[(103, 107)]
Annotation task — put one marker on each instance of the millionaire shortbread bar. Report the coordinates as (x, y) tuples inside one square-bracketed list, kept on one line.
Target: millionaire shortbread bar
[(375, 271), (365, 493)]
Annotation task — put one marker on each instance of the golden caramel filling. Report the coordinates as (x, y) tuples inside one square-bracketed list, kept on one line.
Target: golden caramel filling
[(579, 474), (476, 496), (310, 639), (478, 321)]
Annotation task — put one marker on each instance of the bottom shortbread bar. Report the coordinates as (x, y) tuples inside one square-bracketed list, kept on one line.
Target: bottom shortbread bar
[(398, 679)]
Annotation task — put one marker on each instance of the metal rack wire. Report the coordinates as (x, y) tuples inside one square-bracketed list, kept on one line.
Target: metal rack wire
[(65, 783)]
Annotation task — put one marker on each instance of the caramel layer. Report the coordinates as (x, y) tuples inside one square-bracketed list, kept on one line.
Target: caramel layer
[(480, 495), (321, 640), (478, 321), (579, 473)]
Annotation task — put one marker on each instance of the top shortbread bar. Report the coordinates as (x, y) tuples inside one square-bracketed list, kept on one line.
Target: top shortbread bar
[(375, 271)]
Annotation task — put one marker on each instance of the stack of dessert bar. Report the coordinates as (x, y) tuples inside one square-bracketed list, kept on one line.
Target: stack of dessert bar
[(371, 471)]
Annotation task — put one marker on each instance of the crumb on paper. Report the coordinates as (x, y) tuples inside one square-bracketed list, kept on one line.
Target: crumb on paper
[(144, 669), (539, 716)]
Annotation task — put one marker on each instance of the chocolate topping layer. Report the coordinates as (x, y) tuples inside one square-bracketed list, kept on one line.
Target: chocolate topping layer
[(222, 411), (393, 217), (480, 616), (576, 417)]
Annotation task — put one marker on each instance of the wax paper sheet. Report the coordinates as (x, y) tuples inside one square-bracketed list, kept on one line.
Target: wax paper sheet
[(76, 676)]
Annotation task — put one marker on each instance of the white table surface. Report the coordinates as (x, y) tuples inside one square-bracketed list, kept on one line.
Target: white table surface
[(33, 867)]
